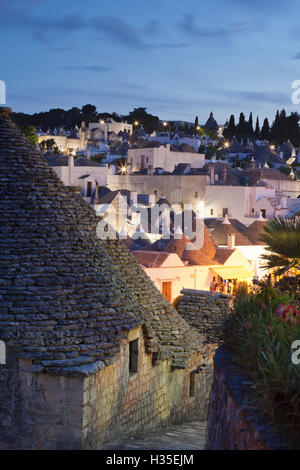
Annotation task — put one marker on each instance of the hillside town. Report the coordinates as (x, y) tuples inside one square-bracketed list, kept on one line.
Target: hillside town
[(234, 193)]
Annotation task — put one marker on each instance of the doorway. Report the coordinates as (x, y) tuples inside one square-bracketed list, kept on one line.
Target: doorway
[(167, 290)]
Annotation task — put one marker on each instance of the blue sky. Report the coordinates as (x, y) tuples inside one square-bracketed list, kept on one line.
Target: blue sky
[(179, 59)]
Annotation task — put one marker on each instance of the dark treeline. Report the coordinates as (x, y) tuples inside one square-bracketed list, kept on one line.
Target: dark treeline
[(58, 117), (282, 128)]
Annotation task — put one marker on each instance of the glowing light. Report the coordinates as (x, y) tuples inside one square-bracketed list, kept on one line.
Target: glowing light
[(165, 124), (226, 145), (123, 170), (136, 123), (272, 147), (102, 122)]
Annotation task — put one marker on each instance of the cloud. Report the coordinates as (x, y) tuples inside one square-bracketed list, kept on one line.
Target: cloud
[(256, 96), (190, 27), (115, 29), (86, 68), (296, 56)]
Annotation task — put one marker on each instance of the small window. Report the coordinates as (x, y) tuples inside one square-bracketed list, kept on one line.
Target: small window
[(196, 194), (133, 356), (192, 384), (155, 193), (211, 212), (252, 211), (263, 213), (225, 211)]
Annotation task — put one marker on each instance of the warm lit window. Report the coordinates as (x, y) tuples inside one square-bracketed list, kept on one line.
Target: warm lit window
[(133, 356), (211, 212)]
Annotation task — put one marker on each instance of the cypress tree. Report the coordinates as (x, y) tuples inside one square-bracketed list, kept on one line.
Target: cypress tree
[(250, 126), (230, 131), (257, 130), (265, 130)]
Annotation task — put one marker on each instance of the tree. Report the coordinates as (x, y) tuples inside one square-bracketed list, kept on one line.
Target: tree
[(230, 131), (31, 133), (257, 130), (242, 127), (282, 237), (196, 122), (89, 113), (250, 126), (265, 130), (148, 121)]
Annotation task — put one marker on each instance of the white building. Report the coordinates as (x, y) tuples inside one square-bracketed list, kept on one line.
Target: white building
[(81, 172), (161, 157)]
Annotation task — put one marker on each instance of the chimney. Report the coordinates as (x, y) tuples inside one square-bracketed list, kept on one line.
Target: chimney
[(71, 169), (151, 199), (230, 241), (224, 174), (211, 172), (133, 198)]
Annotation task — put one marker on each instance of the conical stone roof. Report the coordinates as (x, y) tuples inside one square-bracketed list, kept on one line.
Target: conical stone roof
[(67, 297)]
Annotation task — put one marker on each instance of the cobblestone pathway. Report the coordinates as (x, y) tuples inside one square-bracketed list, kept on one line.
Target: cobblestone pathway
[(189, 436)]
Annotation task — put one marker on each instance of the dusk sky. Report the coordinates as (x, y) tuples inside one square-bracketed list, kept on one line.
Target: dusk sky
[(177, 58)]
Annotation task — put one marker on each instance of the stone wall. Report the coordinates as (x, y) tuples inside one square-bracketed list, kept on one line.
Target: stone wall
[(232, 423), (37, 410), (205, 311), (118, 404), (79, 410)]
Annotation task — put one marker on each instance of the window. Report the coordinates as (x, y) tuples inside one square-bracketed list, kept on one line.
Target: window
[(133, 356), (211, 212), (252, 211), (89, 189), (192, 384), (196, 194), (263, 213), (225, 211)]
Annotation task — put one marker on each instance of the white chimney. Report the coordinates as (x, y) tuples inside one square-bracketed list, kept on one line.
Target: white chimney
[(151, 200), (133, 198), (231, 241), (71, 169)]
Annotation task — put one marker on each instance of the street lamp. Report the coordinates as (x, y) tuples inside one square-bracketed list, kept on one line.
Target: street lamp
[(226, 145)]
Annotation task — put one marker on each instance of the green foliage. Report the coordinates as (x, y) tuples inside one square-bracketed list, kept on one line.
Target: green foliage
[(31, 134), (149, 122), (291, 286), (97, 158), (261, 345), (284, 169), (282, 236)]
